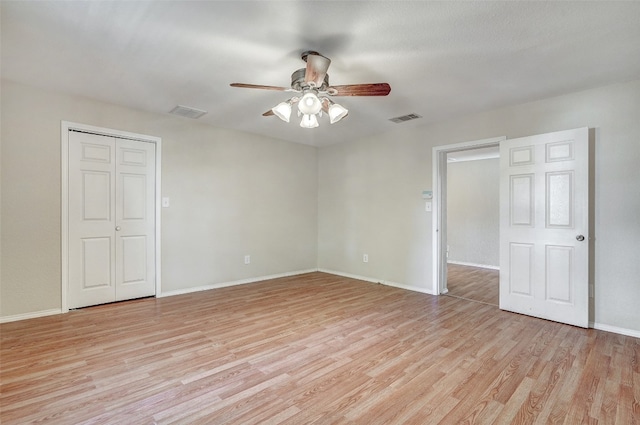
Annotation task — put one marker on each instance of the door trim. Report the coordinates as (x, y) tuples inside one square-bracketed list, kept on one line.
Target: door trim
[(65, 128), (439, 223)]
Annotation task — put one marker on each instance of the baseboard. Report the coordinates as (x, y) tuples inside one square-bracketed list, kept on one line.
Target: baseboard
[(52, 312), (232, 283), (33, 315), (615, 329), (407, 287), (483, 266), (381, 281)]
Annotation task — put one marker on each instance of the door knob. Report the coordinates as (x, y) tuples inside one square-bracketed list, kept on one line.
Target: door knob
[(118, 229), (580, 238)]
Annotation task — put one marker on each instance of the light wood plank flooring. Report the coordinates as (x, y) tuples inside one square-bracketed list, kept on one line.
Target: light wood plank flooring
[(474, 283), (316, 349)]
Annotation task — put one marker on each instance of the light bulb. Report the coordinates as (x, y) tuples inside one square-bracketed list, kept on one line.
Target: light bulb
[(310, 104), (337, 112), (283, 110), (309, 121)]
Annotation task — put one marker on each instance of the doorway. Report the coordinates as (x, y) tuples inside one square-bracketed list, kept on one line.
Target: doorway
[(473, 224), (110, 215), (544, 224), (440, 225)]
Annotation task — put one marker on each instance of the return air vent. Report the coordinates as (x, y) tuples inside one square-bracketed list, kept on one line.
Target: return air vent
[(404, 118), (187, 111)]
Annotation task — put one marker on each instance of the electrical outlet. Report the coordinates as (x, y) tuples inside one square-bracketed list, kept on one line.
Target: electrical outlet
[(365, 258), (247, 259)]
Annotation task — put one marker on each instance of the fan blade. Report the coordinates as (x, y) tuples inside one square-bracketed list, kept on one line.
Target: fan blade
[(268, 113), (257, 86), (317, 66), (374, 89)]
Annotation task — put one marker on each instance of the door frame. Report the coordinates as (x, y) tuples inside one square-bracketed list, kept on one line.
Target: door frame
[(439, 222), (65, 128)]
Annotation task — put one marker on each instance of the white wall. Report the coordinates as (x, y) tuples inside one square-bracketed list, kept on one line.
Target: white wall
[(258, 196), (473, 212), (370, 193), (370, 202), (231, 193)]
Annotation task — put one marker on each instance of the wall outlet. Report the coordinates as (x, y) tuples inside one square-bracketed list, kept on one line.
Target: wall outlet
[(365, 258), (247, 259)]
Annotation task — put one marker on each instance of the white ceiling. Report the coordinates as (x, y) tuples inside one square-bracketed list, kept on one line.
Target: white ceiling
[(442, 59)]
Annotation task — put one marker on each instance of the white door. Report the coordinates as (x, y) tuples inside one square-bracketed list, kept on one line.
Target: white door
[(111, 219), (544, 225)]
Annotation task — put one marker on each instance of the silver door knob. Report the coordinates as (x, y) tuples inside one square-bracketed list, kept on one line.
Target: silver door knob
[(118, 228), (580, 238)]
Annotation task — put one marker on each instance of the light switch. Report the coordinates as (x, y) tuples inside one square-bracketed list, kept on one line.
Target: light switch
[(427, 206), (165, 202)]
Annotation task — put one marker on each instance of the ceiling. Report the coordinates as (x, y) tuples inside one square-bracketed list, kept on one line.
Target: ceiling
[(442, 59)]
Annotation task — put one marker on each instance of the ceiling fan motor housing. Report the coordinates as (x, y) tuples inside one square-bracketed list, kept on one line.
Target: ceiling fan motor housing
[(298, 83)]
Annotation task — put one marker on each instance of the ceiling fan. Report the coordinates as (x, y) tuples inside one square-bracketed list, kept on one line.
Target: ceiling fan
[(313, 92)]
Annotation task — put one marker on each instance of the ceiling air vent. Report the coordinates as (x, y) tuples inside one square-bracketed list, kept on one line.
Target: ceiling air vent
[(187, 111), (404, 118)]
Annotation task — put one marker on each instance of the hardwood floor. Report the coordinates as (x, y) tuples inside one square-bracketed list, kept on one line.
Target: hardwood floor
[(474, 283), (318, 349)]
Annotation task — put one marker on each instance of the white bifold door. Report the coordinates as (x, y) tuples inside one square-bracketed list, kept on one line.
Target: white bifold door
[(111, 219), (544, 226)]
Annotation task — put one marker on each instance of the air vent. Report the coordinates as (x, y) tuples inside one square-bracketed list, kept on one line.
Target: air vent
[(404, 118), (187, 111)]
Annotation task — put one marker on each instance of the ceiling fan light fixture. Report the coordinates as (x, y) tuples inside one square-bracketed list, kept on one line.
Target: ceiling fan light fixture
[(309, 121), (283, 110), (311, 85), (337, 112), (310, 104)]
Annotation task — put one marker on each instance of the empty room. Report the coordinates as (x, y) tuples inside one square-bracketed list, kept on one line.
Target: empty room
[(297, 212)]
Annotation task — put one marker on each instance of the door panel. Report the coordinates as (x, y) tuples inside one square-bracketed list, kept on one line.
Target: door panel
[(135, 266), (522, 200), (96, 263), (559, 263), (521, 264), (91, 219), (134, 259), (544, 210), (134, 197), (95, 152), (96, 195), (559, 202)]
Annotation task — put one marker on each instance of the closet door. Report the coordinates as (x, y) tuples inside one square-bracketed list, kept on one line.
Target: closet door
[(135, 223), (111, 220)]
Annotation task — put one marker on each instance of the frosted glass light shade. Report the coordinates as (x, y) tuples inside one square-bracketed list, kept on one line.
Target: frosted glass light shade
[(282, 110), (310, 104), (309, 121), (337, 112)]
